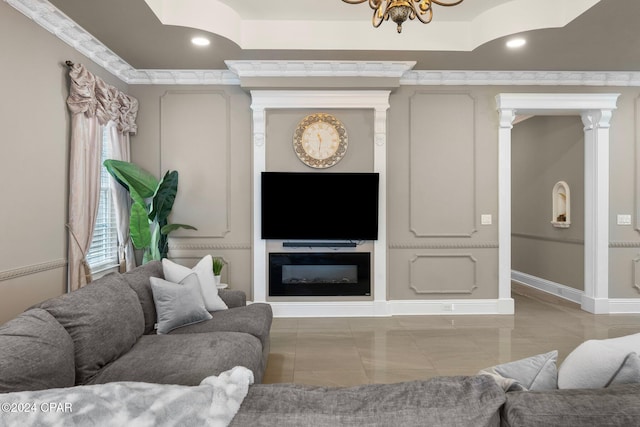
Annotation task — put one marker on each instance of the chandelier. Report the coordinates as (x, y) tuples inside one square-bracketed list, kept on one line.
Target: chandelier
[(401, 10)]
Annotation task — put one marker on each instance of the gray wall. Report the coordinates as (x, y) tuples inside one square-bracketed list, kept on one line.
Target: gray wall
[(546, 150), (34, 161), (204, 133), (442, 176)]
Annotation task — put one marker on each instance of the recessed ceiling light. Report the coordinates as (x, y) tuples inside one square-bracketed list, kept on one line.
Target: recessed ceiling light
[(200, 41), (516, 43)]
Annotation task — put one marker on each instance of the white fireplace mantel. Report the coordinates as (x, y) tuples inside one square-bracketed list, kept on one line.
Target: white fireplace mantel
[(378, 100)]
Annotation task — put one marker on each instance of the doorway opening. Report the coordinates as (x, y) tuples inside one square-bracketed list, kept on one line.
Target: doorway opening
[(547, 211), (595, 111)]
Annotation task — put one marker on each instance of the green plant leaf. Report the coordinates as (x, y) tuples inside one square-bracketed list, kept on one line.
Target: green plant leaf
[(146, 257), (154, 247), (139, 226), (173, 227), (164, 197), (140, 183)]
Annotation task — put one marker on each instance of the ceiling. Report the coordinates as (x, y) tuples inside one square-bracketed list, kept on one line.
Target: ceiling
[(562, 35)]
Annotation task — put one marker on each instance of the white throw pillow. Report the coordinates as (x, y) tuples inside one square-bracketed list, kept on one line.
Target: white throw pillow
[(204, 269), (594, 363), (178, 304)]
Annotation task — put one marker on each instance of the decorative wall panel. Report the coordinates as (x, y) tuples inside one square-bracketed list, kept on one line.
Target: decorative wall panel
[(443, 274), (442, 165), (195, 141), (636, 274)]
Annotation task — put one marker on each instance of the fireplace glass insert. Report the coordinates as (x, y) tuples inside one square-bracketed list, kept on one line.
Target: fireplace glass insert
[(319, 274)]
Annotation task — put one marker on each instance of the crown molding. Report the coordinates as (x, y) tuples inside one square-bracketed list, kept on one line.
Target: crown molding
[(53, 20), (520, 78), (43, 13), (182, 77), (320, 68)]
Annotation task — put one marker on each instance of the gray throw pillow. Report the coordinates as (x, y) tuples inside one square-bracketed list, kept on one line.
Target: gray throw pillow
[(178, 304), (629, 371), (538, 372)]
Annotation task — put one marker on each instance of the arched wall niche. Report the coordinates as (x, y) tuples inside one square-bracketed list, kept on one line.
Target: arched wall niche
[(561, 205)]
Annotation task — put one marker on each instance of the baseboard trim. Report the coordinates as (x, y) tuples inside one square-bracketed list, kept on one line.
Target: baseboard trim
[(547, 286), (624, 305), (392, 308)]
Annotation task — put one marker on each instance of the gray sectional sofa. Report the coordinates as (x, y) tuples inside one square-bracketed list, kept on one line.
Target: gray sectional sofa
[(104, 334)]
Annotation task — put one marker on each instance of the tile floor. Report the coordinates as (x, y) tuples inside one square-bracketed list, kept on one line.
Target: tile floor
[(352, 351)]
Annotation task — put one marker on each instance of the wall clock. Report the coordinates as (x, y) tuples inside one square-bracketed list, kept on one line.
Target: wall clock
[(320, 140)]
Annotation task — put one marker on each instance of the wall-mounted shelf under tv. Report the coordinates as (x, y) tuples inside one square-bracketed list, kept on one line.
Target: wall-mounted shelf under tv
[(319, 244)]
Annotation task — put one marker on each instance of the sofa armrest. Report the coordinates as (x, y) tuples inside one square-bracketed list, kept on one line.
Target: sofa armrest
[(233, 298)]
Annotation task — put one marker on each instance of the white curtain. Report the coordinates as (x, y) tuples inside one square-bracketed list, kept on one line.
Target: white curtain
[(120, 150), (93, 103)]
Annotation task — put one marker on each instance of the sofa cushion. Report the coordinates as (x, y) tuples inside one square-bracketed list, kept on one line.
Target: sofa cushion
[(138, 279), (36, 353), (254, 319), (233, 297), (443, 401), (184, 359), (178, 304), (614, 406), (204, 269), (104, 320), (594, 362)]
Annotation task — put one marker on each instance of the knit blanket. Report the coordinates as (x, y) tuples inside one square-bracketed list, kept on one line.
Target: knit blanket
[(214, 402)]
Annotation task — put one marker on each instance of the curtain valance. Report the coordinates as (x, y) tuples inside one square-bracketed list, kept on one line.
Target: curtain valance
[(93, 97)]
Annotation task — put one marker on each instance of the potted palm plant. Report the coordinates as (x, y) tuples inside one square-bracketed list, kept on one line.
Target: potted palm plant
[(152, 201)]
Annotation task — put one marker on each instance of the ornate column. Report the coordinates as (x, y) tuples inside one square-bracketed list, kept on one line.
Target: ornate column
[(259, 288), (505, 302), (596, 203)]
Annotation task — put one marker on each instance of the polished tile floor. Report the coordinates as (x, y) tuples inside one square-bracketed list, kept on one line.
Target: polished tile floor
[(352, 351)]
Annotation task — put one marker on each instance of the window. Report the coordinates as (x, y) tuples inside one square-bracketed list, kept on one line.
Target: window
[(103, 253)]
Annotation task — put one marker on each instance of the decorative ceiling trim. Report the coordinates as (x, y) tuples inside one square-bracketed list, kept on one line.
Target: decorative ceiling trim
[(53, 20), (320, 68), (182, 77), (304, 25), (521, 78), (59, 24)]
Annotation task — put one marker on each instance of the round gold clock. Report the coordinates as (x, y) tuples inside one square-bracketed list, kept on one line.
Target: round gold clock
[(320, 140)]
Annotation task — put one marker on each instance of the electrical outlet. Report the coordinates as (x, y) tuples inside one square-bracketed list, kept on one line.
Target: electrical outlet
[(624, 219), (486, 219)]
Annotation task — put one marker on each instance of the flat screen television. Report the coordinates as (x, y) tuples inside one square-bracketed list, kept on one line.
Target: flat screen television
[(320, 206)]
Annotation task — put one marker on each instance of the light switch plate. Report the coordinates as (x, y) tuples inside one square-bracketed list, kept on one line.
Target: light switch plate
[(486, 219), (624, 219)]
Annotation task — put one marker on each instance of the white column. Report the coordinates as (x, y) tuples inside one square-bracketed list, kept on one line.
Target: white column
[(378, 100), (505, 302), (259, 165), (596, 202), (380, 260)]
